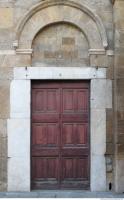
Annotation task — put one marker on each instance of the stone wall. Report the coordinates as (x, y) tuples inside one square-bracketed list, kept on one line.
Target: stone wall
[(67, 35), (60, 45), (119, 94), (6, 73)]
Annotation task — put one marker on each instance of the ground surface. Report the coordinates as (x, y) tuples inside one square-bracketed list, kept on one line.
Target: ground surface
[(60, 194)]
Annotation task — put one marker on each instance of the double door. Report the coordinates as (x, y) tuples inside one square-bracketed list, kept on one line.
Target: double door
[(60, 152)]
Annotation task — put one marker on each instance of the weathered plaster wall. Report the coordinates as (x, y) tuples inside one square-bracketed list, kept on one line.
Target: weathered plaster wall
[(11, 12)]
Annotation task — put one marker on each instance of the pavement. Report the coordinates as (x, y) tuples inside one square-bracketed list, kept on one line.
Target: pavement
[(61, 194)]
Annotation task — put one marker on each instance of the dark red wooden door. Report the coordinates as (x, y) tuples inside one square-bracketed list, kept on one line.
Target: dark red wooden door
[(60, 135)]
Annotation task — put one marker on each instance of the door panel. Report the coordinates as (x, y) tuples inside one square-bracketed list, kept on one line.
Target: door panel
[(74, 134), (60, 135), (45, 172), (45, 134)]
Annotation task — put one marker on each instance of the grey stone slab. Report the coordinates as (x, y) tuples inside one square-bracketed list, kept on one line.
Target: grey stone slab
[(60, 194)]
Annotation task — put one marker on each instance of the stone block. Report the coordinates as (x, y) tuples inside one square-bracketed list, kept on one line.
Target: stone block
[(119, 60), (19, 136), (4, 169), (20, 107), (110, 149), (4, 147), (7, 61), (98, 60), (120, 138), (120, 123), (3, 174), (110, 69), (49, 55), (109, 125), (120, 149), (3, 186), (119, 42), (120, 94), (98, 173), (68, 41), (101, 98), (70, 55), (119, 184), (98, 132), (6, 73), (3, 128), (19, 174), (23, 60), (6, 17), (4, 98), (120, 71)]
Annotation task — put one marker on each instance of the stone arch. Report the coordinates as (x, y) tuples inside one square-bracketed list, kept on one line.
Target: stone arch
[(46, 13)]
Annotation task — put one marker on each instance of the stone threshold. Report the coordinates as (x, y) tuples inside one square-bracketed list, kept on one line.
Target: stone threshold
[(60, 194)]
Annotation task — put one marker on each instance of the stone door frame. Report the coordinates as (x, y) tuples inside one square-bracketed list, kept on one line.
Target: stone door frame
[(19, 131)]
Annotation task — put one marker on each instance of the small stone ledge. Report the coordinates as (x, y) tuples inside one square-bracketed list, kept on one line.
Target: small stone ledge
[(110, 53), (97, 52), (24, 51)]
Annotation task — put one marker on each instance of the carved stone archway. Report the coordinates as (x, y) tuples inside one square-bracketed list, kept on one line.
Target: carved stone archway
[(46, 13)]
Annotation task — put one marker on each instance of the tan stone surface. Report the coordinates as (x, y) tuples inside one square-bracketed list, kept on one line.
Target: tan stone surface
[(7, 61), (6, 73), (3, 174), (120, 94), (109, 149), (110, 69), (109, 126), (4, 99), (60, 45), (6, 17), (99, 60), (3, 128), (119, 103), (23, 60)]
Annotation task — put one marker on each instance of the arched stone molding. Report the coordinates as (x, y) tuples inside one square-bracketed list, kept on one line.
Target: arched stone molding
[(47, 13)]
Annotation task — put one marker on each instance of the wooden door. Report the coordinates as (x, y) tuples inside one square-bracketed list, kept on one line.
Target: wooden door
[(60, 135)]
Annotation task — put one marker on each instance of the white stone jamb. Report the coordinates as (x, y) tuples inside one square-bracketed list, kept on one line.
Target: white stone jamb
[(101, 98), (19, 136)]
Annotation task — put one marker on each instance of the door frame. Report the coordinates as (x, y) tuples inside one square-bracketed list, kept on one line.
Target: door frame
[(19, 130)]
